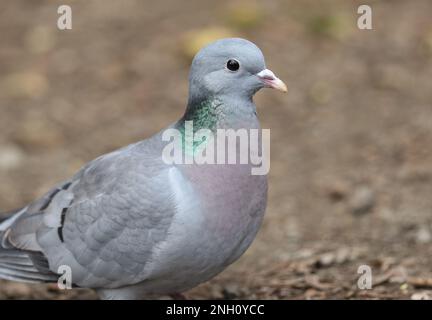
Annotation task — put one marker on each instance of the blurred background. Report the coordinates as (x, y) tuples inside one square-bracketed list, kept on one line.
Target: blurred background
[(351, 166)]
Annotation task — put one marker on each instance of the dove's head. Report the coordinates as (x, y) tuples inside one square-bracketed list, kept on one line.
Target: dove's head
[(233, 67)]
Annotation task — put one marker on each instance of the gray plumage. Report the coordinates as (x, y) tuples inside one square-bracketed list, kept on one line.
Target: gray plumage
[(128, 224)]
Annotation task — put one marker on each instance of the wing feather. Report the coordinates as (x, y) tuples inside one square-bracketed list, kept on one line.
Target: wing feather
[(104, 223)]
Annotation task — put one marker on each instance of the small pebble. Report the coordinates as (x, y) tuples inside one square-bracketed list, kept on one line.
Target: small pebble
[(11, 157), (423, 236), (421, 296), (362, 200)]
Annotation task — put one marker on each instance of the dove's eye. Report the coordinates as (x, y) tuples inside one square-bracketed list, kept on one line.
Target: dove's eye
[(233, 65)]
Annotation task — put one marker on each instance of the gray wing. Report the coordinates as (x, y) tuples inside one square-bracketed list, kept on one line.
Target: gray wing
[(105, 223)]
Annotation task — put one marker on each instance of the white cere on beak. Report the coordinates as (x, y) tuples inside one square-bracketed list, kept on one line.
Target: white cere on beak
[(271, 81)]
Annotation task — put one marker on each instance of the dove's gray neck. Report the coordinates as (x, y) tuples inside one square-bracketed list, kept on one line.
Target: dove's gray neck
[(220, 112)]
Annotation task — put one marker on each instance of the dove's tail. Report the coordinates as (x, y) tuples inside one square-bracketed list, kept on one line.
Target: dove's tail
[(19, 265)]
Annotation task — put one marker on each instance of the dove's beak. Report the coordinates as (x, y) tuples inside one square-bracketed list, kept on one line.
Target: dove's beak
[(271, 81)]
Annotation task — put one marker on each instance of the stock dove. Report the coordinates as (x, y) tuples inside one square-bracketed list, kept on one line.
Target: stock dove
[(128, 224)]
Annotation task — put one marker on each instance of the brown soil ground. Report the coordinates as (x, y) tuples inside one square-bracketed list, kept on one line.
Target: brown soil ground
[(351, 175)]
